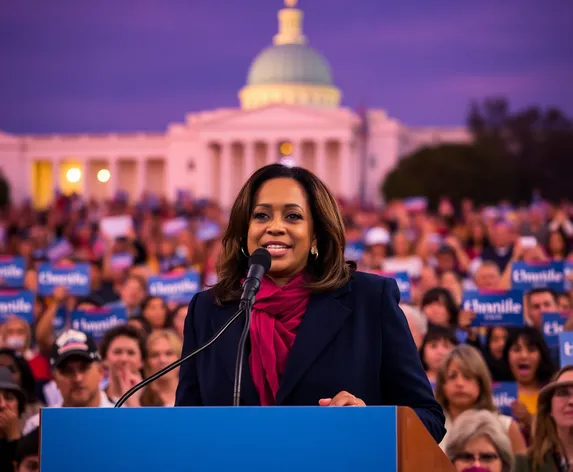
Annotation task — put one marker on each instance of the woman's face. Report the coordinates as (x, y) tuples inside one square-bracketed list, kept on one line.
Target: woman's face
[(435, 352), (161, 354), (282, 223), (462, 391), (437, 313), (564, 302), (123, 354), (524, 361), (478, 452), (155, 313), (497, 342), (562, 403), (15, 334)]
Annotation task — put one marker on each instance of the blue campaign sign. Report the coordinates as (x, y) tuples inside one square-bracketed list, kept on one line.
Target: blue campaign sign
[(75, 277), (504, 394), (354, 251), (504, 308), (404, 284), (120, 261), (174, 287), (59, 250), (566, 348), (18, 303), (526, 276), (12, 271), (97, 321), (568, 270), (553, 325)]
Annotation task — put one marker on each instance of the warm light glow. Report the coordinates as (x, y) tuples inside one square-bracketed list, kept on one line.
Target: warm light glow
[(288, 162), (73, 175), (286, 149), (103, 175)]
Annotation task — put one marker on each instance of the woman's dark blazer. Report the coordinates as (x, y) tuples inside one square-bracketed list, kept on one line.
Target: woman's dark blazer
[(355, 338)]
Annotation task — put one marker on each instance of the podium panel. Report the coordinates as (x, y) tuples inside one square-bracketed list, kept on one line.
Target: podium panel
[(253, 439)]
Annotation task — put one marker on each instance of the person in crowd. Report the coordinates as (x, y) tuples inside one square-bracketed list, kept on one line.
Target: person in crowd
[(123, 352), (163, 347), (12, 405), (565, 302), (464, 383), (531, 366), (417, 323), (479, 443), (440, 307), (501, 250), (477, 242), (353, 346), (436, 345), (492, 351), (154, 310), (552, 446), (133, 293), (403, 259), (376, 242), (141, 324), (539, 301), (27, 454), (487, 276), (23, 377), (452, 282), (558, 245), (176, 320), (77, 372)]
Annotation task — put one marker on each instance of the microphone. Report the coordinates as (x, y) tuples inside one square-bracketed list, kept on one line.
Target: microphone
[(259, 265)]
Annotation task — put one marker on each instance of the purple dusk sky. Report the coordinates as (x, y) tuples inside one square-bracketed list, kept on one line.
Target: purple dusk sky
[(126, 65)]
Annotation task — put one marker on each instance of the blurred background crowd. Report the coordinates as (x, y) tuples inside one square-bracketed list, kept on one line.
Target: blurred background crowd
[(443, 254)]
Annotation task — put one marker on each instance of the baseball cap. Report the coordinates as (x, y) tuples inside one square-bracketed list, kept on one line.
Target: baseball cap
[(73, 343)]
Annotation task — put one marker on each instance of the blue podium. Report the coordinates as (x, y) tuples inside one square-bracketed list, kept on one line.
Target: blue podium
[(252, 439)]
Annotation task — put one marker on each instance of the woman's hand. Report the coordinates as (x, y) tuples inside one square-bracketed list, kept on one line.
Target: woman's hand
[(342, 399), (128, 380)]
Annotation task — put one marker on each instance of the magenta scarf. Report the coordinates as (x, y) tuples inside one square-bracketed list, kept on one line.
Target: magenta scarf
[(276, 315)]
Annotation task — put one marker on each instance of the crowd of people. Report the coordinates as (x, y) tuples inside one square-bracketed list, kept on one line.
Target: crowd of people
[(445, 253)]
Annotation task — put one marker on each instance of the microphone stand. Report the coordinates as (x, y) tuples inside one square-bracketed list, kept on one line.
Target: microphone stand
[(246, 306), (180, 361)]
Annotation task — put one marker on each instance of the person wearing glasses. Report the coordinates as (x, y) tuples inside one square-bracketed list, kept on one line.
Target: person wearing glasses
[(552, 446), (479, 443)]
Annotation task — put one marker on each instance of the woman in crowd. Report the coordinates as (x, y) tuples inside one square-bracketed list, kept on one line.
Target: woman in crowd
[(464, 383), (123, 353), (479, 443), (154, 310), (530, 364), (22, 376), (552, 446), (440, 307), (492, 351), (163, 348), (176, 319), (437, 344)]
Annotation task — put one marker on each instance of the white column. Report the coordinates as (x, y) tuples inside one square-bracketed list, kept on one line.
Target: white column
[(225, 175), (113, 182), (347, 167), (272, 152), (320, 150), (249, 161), (140, 173)]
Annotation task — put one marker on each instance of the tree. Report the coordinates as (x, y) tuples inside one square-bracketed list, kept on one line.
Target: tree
[(512, 155), (4, 191)]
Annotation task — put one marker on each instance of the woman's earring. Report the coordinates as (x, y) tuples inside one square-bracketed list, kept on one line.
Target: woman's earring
[(242, 246), (314, 252)]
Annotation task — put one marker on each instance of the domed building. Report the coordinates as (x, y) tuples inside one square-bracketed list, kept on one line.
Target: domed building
[(290, 111), (289, 71)]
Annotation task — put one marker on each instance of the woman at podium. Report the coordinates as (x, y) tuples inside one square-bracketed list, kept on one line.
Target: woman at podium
[(322, 333)]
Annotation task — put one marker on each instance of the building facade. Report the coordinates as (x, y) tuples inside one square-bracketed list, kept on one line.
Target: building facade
[(289, 112)]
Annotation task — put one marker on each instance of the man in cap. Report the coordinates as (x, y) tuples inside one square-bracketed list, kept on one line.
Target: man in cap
[(77, 372), (12, 404)]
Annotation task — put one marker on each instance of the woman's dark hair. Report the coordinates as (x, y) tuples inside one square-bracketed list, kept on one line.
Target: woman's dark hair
[(171, 315), (145, 324), (26, 375), (564, 240), (436, 333), (532, 338), (122, 330), (328, 272), (442, 295)]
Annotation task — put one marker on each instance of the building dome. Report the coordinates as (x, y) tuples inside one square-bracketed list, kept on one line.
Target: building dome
[(289, 64), (289, 71)]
